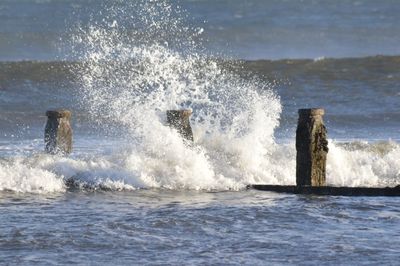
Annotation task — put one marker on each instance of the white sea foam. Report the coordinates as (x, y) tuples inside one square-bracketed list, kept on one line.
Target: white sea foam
[(214, 164), (18, 176), (364, 164), (320, 58)]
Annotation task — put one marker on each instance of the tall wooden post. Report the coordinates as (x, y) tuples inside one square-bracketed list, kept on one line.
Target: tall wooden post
[(312, 148), (58, 132), (179, 119)]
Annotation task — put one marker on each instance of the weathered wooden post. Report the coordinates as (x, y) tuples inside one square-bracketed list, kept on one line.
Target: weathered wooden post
[(58, 132), (179, 119), (312, 148)]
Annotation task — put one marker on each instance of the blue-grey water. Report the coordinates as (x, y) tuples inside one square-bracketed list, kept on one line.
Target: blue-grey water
[(186, 227), (255, 29), (141, 195)]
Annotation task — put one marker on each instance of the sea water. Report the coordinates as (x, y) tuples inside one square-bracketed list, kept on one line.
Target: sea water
[(142, 195)]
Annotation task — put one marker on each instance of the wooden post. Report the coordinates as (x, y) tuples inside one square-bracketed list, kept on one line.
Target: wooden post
[(312, 148), (179, 119), (58, 132)]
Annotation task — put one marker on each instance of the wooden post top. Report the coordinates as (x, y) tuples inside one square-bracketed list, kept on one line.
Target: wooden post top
[(180, 120), (311, 112), (184, 112), (59, 113)]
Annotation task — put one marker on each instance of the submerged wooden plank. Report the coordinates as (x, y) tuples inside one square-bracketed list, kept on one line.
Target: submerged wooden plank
[(333, 191)]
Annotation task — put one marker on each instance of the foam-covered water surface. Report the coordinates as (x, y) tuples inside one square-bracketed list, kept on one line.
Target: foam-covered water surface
[(124, 168)]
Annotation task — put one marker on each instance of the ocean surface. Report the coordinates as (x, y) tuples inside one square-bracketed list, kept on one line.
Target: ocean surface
[(141, 195)]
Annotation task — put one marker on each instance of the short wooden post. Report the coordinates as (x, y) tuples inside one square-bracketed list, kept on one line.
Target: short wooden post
[(312, 148), (58, 132), (179, 119)]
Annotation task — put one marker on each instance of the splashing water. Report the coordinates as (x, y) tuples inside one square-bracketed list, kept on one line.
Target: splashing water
[(130, 82), (364, 164)]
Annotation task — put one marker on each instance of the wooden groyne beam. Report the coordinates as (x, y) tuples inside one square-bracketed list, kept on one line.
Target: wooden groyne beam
[(58, 132), (179, 119), (312, 149), (332, 191)]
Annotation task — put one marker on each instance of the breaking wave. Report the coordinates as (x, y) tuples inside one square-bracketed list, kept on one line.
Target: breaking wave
[(132, 76), (142, 59), (349, 164)]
